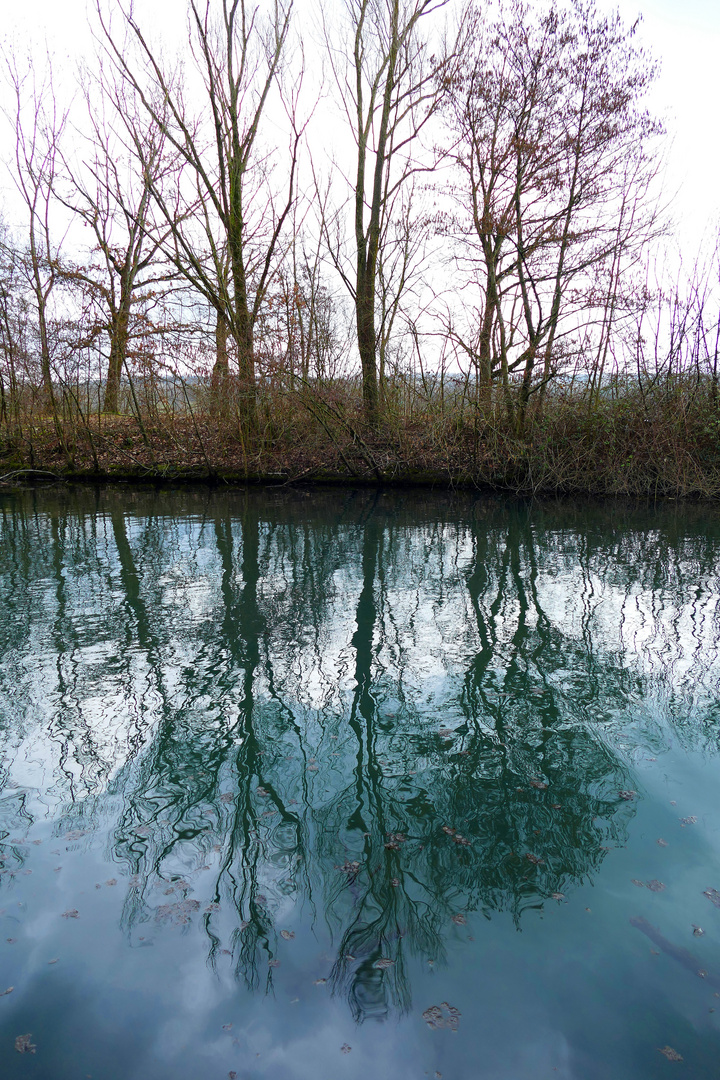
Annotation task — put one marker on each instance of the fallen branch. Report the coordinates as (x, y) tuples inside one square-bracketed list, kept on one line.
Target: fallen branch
[(24, 472)]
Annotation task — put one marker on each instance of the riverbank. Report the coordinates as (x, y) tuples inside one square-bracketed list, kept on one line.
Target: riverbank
[(667, 445)]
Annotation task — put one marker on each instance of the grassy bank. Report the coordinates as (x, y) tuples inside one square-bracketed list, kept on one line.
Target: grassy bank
[(632, 440)]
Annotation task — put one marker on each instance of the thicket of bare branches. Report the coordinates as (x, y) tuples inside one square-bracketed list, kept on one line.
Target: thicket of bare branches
[(412, 220)]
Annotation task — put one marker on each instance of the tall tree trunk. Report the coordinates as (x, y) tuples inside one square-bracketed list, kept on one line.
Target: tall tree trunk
[(221, 369), (365, 313), (119, 333), (484, 374), (242, 329)]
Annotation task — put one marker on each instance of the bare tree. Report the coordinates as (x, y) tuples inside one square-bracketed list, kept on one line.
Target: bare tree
[(556, 151), (391, 83), (110, 191), (224, 204), (14, 317), (37, 124)]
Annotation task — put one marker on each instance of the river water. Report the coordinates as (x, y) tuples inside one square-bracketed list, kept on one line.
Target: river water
[(340, 784)]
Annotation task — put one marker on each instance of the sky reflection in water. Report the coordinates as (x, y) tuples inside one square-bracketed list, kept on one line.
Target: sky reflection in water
[(290, 778)]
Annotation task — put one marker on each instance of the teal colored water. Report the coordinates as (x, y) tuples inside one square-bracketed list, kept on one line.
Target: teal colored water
[(348, 784)]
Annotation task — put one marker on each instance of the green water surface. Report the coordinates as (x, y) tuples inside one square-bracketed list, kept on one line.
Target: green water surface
[(348, 784)]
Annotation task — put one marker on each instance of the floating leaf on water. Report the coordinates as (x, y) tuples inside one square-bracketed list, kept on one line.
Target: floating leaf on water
[(697, 930), (458, 839), (143, 830), (662, 843), (57, 868), (459, 920), (713, 895), (654, 885), (433, 1017), (75, 834), (8, 991), (11, 940), (227, 797), (312, 768), (273, 963), (288, 935), (345, 1049), (383, 963), (627, 795), (442, 1016), (445, 732), (539, 784), (54, 961), (178, 913), (232, 1075), (688, 820), (636, 881), (227, 1027), (25, 1045), (557, 896), (670, 1054), (262, 792), (319, 982), (702, 973), (395, 882), (349, 867), (111, 881), (214, 906), (392, 846), (448, 830), (71, 913), (534, 859), (556, 806)]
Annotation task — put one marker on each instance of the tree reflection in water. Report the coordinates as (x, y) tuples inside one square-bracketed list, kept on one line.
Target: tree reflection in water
[(391, 712)]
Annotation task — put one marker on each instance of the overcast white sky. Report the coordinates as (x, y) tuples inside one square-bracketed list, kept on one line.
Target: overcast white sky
[(683, 34)]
